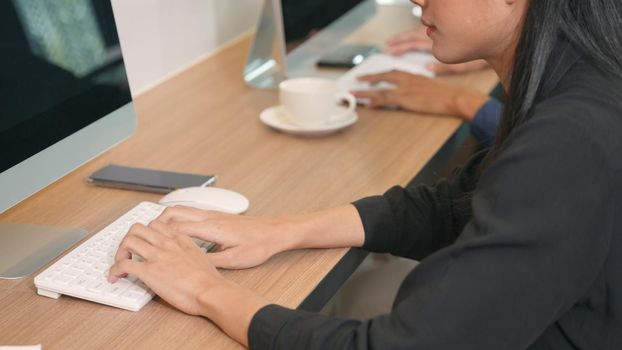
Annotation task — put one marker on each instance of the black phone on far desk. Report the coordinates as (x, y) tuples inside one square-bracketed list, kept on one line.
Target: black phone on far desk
[(150, 180), (347, 56)]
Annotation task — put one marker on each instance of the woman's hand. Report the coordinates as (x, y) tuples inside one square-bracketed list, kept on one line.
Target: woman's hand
[(244, 241), (173, 266), (178, 271), (417, 40), (421, 94)]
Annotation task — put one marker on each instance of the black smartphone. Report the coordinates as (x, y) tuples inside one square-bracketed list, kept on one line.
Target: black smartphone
[(150, 180), (347, 56)]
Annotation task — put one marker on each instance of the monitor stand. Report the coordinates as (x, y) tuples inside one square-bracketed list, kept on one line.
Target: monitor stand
[(266, 66), (268, 62), (26, 248)]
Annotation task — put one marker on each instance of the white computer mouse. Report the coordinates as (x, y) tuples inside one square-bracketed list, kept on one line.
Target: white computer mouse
[(208, 198)]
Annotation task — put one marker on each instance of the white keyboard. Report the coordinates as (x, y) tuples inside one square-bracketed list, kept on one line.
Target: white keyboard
[(83, 272)]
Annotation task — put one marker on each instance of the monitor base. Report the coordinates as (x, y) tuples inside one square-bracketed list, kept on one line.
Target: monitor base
[(24, 249)]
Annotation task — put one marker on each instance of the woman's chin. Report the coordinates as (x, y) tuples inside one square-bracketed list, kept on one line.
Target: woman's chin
[(449, 56)]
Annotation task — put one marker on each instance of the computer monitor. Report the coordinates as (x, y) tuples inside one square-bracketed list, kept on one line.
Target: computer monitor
[(64, 94), (303, 18)]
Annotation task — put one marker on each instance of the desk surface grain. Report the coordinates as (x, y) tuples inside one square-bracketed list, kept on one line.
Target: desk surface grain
[(205, 120)]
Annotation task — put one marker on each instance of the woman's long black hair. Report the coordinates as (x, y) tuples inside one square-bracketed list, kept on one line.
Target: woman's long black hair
[(594, 27)]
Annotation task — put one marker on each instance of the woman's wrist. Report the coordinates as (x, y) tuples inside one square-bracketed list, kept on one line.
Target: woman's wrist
[(337, 227), (231, 307), (288, 234)]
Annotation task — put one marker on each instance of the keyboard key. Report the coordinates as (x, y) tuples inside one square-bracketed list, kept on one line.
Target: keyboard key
[(72, 272), (92, 274), (50, 275), (63, 279), (133, 296), (99, 286), (81, 282)]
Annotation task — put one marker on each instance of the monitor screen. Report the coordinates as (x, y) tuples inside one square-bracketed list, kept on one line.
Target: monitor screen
[(61, 69), (61, 75), (303, 18)]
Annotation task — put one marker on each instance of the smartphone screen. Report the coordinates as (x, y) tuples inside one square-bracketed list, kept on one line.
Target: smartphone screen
[(147, 179)]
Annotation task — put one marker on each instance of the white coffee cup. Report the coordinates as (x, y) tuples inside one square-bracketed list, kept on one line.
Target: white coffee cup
[(313, 102)]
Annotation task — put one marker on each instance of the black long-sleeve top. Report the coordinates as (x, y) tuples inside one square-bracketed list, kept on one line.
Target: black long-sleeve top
[(527, 255)]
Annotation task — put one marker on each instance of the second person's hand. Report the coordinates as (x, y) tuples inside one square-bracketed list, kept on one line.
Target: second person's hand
[(412, 40), (421, 94)]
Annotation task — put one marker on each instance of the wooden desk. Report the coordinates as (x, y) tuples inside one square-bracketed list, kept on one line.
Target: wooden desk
[(205, 120)]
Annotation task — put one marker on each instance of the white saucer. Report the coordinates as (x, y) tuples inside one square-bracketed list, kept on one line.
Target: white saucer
[(275, 118)]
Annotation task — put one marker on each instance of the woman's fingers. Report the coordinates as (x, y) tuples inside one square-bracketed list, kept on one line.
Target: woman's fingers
[(134, 244), (239, 257), (160, 229), (205, 230), (182, 213), (141, 240), (124, 268), (224, 259), (379, 98)]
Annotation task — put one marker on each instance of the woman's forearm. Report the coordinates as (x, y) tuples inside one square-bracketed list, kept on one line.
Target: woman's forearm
[(232, 307)]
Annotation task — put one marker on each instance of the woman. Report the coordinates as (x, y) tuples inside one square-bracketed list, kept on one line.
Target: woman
[(520, 249)]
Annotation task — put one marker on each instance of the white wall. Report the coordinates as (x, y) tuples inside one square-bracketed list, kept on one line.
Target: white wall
[(161, 37)]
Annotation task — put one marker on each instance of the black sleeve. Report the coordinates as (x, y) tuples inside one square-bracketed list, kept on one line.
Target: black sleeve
[(416, 221), (542, 223)]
